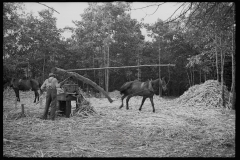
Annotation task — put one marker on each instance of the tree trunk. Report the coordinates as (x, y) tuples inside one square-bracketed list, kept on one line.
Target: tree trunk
[(81, 78), (160, 88), (106, 61), (200, 77), (216, 57), (108, 64), (105, 64), (44, 66), (138, 67), (193, 77), (233, 71), (222, 71), (189, 79), (101, 77), (94, 72), (28, 70)]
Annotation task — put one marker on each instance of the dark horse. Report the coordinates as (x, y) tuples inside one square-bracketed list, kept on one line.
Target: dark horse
[(25, 85), (144, 89)]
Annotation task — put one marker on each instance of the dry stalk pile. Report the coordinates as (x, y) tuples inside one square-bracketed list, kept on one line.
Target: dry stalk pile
[(83, 107), (207, 94)]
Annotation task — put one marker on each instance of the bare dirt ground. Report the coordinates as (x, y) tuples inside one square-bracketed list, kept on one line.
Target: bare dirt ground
[(172, 131)]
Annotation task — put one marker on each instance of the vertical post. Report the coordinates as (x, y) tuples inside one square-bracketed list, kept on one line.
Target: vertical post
[(138, 66), (43, 65), (200, 77), (160, 89), (22, 109), (233, 66), (107, 77), (193, 76), (222, 69), (28, 70), (105, 65), (15, 102), (22, 114), (94, 69)]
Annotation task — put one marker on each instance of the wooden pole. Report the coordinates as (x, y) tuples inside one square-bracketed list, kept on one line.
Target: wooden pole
[(107, 82), (15, 103), (233, 67), (43, 66), (79, 77), (23, 114), (222, 70), (150, 65), (28, 70), (22, 109), (160, 89), (216, 54), (139, 65), (104, 82)]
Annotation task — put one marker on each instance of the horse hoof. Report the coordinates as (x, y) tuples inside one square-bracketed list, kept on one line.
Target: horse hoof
[(139, 109)]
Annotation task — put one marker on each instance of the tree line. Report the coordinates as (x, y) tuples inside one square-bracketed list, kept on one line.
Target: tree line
[(200, 42)]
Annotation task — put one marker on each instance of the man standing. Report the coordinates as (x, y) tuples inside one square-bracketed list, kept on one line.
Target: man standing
[(51, 84)]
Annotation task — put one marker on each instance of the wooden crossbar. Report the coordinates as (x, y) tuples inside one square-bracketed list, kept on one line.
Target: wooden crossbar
[(152, 65)]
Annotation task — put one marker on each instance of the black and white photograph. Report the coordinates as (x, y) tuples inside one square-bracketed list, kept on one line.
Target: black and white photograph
[(119, 79)]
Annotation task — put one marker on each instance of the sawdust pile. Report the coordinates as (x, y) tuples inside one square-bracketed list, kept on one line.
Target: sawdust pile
[(206, 94)]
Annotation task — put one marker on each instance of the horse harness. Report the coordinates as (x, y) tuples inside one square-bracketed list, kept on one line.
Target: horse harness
[(149, 85)]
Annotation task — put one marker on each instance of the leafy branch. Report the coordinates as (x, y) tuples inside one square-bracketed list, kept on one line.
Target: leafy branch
[(48, 7)]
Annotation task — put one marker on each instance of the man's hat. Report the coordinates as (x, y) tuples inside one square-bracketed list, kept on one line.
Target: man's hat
[(51, 74)]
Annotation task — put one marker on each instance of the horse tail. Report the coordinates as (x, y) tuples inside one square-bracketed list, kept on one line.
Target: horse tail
[(125, 87)]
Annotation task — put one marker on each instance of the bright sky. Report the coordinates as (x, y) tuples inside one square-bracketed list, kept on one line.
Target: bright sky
[(70, 11)]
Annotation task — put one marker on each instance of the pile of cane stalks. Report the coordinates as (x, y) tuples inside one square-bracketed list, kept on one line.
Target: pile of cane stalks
[(83, 107), (206, 94)]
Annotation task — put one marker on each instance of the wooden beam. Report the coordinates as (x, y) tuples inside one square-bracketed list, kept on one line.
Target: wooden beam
[(81, 78), (150, 65)]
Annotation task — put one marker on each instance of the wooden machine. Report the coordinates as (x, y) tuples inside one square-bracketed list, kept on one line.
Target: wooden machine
[(70, 93)]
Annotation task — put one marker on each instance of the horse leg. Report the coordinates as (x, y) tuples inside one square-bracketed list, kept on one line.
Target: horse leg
[(122, 100), (17, 94), (128, 98), (151, 99), (36, 96), (143, 100)]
